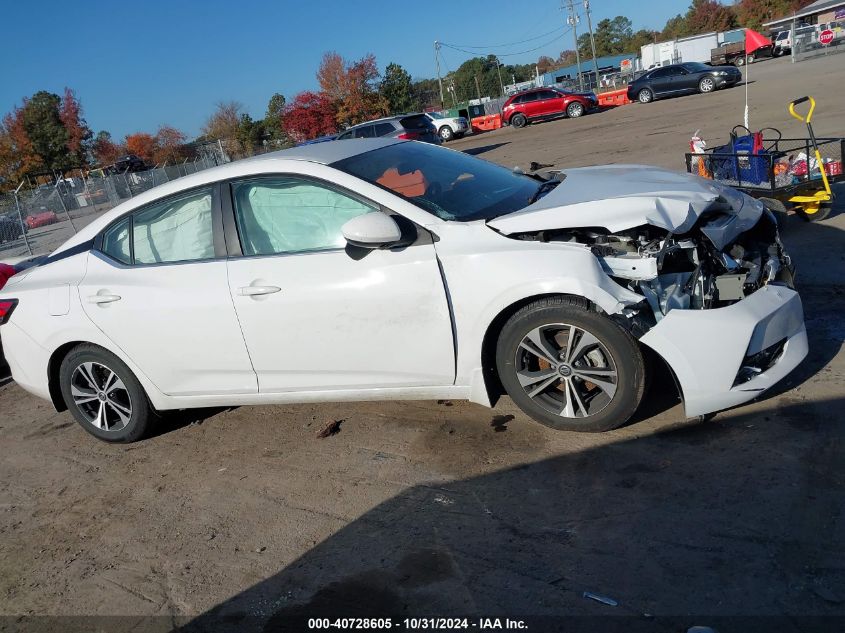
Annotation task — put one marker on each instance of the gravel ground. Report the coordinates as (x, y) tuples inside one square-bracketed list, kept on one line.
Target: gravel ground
[(243, 518)]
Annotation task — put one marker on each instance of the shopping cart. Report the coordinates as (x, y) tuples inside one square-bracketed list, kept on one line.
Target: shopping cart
[(790, 172)]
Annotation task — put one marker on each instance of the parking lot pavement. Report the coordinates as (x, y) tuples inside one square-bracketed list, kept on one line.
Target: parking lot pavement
[(441, 508)]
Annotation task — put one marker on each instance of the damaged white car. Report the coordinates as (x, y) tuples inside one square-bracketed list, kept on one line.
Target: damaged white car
[(386, 269)]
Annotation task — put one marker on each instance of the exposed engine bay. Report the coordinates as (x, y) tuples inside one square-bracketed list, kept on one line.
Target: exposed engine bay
[(702, 268)]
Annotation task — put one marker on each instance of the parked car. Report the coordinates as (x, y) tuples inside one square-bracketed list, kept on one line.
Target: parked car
[(546, 103), (783, 39), (383, 269), (679, 79), (411, 127), (448, 127), (319, 139), (11, 229), (130, 162), (41, 219)]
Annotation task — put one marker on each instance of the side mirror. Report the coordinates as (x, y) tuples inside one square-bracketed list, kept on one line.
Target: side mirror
[(371, 230)]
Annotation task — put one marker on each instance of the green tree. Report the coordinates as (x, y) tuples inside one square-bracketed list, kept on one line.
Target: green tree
[(250, 134), (397, 90), (45, 130), (273, 117)]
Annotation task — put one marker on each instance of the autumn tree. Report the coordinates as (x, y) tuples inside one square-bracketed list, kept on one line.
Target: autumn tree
[(311, 114), (753, 13), (44, 128), (78, 133), (545, 64), (19, 157), (168, 145), (104, 150), (223, 122), (352, 87), (396, 90), (142, 144)]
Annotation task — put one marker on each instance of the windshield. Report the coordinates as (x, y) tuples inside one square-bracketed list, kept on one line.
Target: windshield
[(446, 183), (435, 115)]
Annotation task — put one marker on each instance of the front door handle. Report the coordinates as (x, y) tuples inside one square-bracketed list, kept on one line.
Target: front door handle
[(103, 298), (257, 291)]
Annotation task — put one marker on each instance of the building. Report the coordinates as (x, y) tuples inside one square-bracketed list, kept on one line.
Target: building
[(820, 12)]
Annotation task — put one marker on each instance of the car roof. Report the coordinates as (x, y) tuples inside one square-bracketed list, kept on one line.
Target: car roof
[(395, 117)]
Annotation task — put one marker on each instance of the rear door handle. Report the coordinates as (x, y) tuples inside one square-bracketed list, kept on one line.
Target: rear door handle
[(257, 291), (103, 298)]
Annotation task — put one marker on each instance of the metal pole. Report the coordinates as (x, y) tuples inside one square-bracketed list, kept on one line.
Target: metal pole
[(478, 89), (126, 181), (592, 40), (793, 41), (64, 206), (437, 66), (573, 22), (20, 219), (499, 71)]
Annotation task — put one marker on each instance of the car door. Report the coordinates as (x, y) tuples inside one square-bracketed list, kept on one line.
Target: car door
[(549, 103), (660, 81), (156, 286), (682, 80), (530, 105), (317, 315)]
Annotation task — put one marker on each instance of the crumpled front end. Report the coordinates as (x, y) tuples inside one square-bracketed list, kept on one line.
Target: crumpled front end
[(718, 301)]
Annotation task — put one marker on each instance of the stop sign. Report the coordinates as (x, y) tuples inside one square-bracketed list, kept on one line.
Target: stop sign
[(825, 37)]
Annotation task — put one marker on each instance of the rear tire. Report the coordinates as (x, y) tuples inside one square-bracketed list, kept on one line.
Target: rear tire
[(645, 96), (818, 216), (574, 110), (590, 376), (518, 120), (739, 61), (104, 396)]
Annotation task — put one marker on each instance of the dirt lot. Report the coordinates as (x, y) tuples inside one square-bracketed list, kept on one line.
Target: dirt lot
[(243, 519)]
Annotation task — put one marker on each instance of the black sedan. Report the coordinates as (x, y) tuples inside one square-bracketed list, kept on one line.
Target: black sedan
[(681, 79)]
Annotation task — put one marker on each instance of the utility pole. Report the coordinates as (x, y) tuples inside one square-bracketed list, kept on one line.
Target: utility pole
[(592, 40), (499, 71), (573, 22), (478, 89), (437, 65)]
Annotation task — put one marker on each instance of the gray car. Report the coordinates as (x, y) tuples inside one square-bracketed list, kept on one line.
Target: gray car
[(411, 127)]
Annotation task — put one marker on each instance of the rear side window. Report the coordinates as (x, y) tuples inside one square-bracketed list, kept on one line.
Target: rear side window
[(415, 122), (365, 131), (176, 230), (383, 129)]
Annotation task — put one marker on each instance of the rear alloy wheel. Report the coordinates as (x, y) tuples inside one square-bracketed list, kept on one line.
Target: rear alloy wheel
[(575, 110), (645, 96), (570, 368), (518, 120), (103, 395), (446, 133), (707, 84)]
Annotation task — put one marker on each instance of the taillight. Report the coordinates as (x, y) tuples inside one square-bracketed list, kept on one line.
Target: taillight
[(7, 306), (410, 136)]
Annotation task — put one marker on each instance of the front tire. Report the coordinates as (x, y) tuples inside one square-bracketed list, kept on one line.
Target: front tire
[(574, 110), (645, 96), (518, 120), (570, 368), (103, 395), (446, 133), (707, 84)]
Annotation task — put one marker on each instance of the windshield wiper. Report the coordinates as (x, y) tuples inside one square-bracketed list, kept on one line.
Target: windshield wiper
[(543, 188)]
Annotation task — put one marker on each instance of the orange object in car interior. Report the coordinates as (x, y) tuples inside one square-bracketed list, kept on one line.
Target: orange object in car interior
[(410, 185)]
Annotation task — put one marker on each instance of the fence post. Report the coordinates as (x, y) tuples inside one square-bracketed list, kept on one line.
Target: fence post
[(20, 219), (64, 206), (126, 182)]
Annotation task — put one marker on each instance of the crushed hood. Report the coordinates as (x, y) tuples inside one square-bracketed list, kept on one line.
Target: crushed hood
[(620, 197)]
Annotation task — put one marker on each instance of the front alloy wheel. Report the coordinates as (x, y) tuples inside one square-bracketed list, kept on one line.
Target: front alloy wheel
[(446, 133), (569, 367), (103, 395), (707, 84)]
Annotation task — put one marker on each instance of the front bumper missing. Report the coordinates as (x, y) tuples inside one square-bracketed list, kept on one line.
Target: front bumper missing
[(707, 348)]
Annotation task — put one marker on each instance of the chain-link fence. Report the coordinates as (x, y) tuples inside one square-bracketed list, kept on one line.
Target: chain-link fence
[(36, 221), (817, 42)]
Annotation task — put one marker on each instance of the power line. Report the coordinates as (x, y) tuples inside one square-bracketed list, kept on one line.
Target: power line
[(531, 50), (530, 39)]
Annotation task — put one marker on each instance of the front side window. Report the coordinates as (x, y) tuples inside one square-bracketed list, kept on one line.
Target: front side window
[(450, 185), (288, 215), (178, 230), (116, 242)]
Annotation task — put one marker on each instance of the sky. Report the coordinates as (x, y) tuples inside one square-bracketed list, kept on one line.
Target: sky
[(138, 65)]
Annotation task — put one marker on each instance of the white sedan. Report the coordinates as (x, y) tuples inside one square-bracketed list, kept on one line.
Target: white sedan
[(385, 269)]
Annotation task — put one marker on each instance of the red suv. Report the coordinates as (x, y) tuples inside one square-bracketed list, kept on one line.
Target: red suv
[(546, 103)]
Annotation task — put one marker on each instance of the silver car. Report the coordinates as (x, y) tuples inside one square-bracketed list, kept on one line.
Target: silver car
[(410, 127)]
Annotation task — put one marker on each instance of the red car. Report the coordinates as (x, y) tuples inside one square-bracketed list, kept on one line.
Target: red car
[(546, 103), (41, 219)]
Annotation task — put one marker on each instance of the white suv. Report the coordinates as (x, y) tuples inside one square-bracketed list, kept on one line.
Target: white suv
[(448, 127)]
